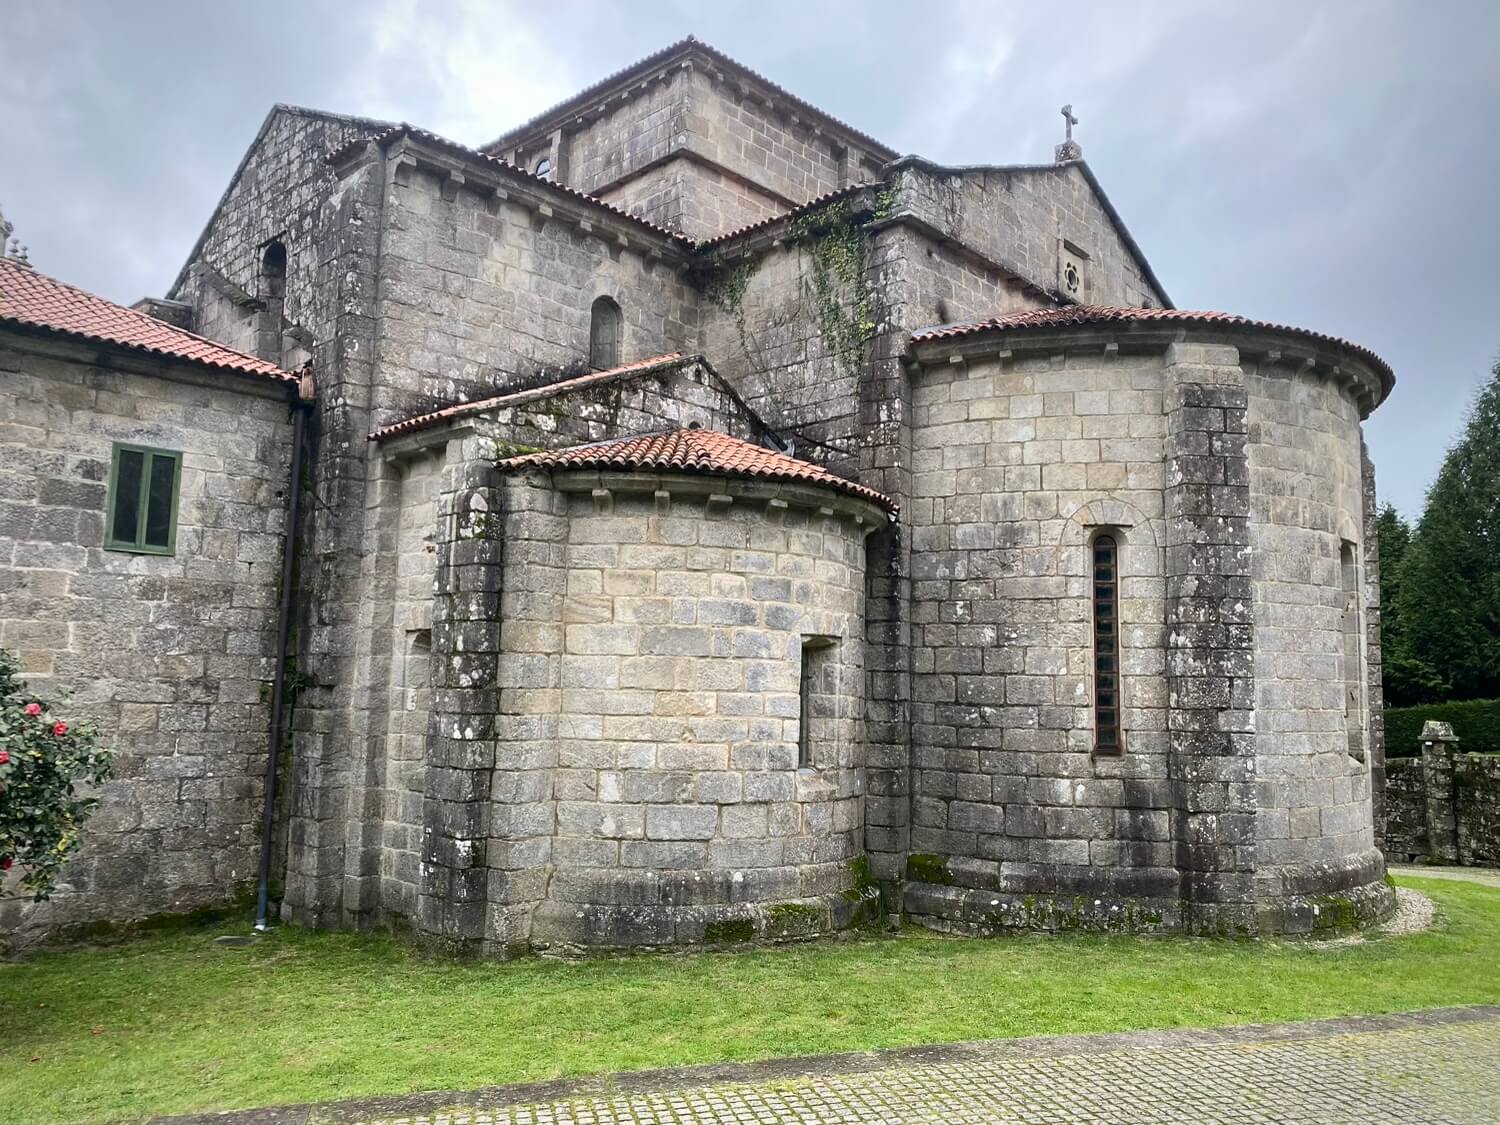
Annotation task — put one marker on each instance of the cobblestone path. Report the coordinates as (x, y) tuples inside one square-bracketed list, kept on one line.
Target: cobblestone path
[(1441, 1066)]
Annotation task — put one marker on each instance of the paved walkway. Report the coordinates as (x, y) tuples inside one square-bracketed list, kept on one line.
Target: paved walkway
[(1439, 1066), (1489, 876)]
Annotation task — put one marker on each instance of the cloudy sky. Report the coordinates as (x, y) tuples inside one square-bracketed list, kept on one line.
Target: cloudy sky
[(1334, 165)]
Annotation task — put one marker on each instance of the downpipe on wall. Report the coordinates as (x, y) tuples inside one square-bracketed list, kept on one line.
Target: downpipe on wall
[(300, 407)]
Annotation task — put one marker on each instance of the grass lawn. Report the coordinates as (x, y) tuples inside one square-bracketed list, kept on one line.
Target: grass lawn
[(172, 1023)]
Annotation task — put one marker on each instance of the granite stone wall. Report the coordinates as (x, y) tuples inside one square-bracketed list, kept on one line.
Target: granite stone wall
[(681, 810), (1019, 218), (475, 290), (170, 655), (1468, 810), (1229, 478), (278, 194), (1307, 503), (1016, 465)]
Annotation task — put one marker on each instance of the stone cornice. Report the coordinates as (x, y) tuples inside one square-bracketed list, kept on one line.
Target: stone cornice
[(408, 149), (1283, 347)]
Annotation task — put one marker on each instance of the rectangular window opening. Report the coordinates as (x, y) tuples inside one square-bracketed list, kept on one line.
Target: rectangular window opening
[(143, 490), (1108, 736), (819, 700)]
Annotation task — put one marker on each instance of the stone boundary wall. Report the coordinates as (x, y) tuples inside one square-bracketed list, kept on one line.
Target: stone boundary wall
[(1443, 807)]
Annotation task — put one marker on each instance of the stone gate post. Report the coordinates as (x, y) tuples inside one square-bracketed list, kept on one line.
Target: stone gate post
[(1439, 748)]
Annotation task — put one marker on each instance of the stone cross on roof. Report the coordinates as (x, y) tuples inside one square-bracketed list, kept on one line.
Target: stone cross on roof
[(1069, 149)]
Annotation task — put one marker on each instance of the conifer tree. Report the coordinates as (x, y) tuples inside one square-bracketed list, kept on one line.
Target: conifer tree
[(1448, 598)]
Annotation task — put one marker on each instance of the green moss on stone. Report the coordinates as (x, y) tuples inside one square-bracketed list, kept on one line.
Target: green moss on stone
[(924, 867), (729, 930)]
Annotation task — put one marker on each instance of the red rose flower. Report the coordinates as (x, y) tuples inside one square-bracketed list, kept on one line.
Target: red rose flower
[(33, 709), (59, 729), (4, 757), (5, 864)]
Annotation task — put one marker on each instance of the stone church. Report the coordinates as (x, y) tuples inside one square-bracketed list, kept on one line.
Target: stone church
[(684, 519)]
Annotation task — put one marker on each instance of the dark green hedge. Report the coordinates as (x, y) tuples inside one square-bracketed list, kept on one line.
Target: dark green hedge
[(1475, 721)]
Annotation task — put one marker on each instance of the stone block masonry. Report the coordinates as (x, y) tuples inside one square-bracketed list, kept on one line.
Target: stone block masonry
[(1443, 805), (169, 654), (654, 644), (1237, 805)]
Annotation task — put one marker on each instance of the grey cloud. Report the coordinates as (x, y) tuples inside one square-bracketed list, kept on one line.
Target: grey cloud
[(1327, 164)]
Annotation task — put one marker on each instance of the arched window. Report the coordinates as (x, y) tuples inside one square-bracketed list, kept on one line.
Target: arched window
[(604, 334), (1106, 592), (273, 271), (543, 169)]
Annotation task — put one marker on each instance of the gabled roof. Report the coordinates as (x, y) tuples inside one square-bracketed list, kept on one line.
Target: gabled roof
[(681, 49), (395, 132), (1078, 315), (536, 394), (1037, 169), (695, 452), (34, 301), (239, 170)]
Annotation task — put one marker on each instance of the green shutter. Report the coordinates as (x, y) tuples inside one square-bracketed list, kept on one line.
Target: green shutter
[(142, 512)]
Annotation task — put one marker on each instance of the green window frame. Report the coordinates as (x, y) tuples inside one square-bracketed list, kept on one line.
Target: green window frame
[(141, 513)]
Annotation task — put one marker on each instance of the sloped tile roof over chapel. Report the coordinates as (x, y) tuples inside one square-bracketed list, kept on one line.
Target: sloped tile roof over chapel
[(32, 300), (698, 452)]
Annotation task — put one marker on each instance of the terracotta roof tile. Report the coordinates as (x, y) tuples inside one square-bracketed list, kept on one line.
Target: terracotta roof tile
[(1076, 315), (29, 299), (533, 394), (702, 452), (405, 130)]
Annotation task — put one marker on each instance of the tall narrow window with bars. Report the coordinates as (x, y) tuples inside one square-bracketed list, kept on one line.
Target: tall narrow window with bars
[(1108, 737), (1354, 688)]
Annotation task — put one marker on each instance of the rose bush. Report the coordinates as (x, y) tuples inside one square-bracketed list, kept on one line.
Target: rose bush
[(42, 761)]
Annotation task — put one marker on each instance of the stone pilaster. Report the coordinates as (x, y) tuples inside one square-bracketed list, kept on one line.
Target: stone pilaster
[(528, 727), (323, 726), (451, 906), (1374, 687), (1439, 748), (1210, 663), (885, 464)]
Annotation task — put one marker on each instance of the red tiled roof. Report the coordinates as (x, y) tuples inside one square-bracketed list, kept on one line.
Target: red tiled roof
[(533, 394), (1074, 315), (405, 130), (685, 46), (29, 299), (702, 452)]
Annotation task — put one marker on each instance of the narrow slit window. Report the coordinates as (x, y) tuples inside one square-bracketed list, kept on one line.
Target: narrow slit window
[(142, 509), (1354, 693), (1106, 590)]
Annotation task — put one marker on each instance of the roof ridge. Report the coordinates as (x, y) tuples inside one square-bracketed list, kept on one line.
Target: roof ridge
[(688, 43), (407, 129), (694, 450)]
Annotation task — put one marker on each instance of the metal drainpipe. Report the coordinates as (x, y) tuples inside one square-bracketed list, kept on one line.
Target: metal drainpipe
[(283, 637)]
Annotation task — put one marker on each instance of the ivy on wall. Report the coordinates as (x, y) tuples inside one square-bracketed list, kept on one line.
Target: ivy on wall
[(832, 244)]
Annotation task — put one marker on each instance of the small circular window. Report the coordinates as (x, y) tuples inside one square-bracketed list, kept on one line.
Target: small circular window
[(1071, 278), (543, 168)]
